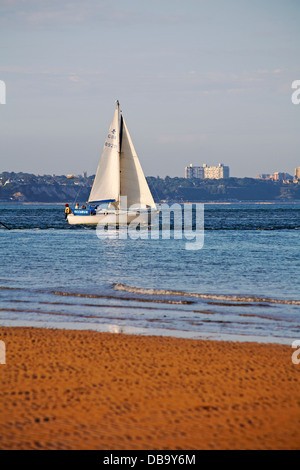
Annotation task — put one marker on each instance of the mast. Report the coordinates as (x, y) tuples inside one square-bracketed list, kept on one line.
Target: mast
[(120, 144), (118, 110), (121, 134)]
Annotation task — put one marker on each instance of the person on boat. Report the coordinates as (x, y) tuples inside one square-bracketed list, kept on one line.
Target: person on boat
[(83, 207), (77, 205), (67, 210)]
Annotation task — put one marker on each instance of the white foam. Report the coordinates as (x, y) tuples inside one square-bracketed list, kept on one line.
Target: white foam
[(234, 298)]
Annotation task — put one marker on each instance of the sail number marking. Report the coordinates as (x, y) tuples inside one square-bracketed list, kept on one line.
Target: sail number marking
[(113, 146), (112, 137)]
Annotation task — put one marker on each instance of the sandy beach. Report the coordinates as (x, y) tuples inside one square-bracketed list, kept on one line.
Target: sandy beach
[(87, 390)]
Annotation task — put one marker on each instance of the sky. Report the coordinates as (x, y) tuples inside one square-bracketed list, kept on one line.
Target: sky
[(199, 81)]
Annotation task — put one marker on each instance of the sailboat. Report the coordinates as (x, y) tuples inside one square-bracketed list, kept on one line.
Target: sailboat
[(120, 193)]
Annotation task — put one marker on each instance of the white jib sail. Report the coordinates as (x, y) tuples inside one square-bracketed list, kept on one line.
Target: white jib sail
[(106, 185), (133, 181)]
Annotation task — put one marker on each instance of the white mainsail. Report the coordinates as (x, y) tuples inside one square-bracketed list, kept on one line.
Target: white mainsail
[(106, 185), (133, 183), (119, 172)]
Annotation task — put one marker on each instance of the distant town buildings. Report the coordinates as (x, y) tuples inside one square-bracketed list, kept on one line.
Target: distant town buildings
[(194, 172), (207, 172), (297, 173), (280, 176), (83, 175), (265, 176)]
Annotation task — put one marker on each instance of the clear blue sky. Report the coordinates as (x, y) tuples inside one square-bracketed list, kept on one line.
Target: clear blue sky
[(199, 81)]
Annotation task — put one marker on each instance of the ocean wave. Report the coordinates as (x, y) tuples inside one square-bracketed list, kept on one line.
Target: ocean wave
[(132, 299), (235, 298), (82, 315), (10, 288)]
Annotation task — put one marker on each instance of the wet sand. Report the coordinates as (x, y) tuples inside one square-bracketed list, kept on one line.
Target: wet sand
[(87, 390)]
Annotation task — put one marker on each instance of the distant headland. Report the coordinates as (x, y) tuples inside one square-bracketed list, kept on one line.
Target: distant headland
[(25, 187)]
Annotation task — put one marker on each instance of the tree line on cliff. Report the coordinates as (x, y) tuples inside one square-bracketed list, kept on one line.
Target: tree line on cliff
[(24, 187)]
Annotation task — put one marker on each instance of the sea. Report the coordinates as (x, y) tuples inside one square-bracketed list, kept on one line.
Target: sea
[(242, 285)]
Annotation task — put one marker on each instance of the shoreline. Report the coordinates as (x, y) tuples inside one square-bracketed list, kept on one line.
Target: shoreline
[(295, 202), (140, 332), (71, 389)]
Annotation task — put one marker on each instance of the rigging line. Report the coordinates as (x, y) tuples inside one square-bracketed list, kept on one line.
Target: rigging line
[(77, 194)]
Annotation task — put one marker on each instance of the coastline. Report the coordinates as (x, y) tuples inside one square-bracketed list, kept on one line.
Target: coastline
[(217, 203), (70, 389)]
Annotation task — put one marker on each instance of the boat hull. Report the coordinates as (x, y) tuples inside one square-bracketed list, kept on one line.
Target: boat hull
[(113, 218)]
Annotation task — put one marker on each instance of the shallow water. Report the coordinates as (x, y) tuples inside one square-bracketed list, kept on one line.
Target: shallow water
[(242, 285)]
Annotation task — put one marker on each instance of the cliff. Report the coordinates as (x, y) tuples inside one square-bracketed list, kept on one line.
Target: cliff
[(22, 187)]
